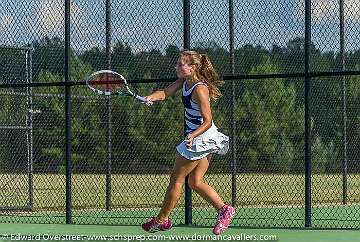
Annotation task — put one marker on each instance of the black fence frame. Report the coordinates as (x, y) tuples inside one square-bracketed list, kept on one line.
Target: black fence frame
[(307, 75)]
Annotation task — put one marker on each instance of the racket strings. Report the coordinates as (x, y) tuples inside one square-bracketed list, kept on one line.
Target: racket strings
[(107, 83)]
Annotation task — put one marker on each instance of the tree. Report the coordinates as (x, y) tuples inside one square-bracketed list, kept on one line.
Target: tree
[(353, 121), (248, 57), (219, 57), (96, 57), (48, 55), (270, 121)]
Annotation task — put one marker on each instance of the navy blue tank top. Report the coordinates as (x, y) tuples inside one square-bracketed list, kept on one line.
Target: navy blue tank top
[(192, 115)]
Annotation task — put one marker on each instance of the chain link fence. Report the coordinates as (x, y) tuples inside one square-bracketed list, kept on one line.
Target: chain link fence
[(122, 153)]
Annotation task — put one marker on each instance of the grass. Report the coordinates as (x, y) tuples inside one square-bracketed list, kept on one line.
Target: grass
[(263, 199)]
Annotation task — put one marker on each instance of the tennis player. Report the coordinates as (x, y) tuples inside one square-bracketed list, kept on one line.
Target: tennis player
[(199, 82)]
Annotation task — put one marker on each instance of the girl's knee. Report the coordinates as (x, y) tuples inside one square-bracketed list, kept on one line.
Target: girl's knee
[(176, 179), (194, 184)]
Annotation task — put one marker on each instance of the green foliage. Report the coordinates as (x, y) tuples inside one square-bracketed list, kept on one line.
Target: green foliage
[(249, 57), (269, 113), (48, 55), (285, 155), (324, 156), (270, 121)]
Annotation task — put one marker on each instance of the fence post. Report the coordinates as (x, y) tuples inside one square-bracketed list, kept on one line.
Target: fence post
[(68, 138), (109, 110), (29, 126), (233, 101), (307, 114), (342, 63), (188, 195)]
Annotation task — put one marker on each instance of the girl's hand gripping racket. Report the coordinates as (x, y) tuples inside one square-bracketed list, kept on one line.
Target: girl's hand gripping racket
[(107, 82)]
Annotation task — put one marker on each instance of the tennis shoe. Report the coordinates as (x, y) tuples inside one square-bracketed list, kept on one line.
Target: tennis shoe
[(153, 225), (224, 219)]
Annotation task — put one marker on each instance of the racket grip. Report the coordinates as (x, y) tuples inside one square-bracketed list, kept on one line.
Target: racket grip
[(144, 101)]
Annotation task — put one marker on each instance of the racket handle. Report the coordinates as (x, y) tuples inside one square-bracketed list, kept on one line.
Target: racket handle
[(144, 101)]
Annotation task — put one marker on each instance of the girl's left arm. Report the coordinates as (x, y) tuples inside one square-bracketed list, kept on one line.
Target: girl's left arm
[(201, 97)]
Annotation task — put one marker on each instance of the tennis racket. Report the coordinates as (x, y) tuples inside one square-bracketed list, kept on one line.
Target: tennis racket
[(111, 83)]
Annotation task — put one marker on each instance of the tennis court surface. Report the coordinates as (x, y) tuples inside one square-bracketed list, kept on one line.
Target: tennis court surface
[(62, 232)]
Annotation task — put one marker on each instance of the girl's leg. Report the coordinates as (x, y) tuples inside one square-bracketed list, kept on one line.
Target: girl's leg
[(181, 169), (196, 182)]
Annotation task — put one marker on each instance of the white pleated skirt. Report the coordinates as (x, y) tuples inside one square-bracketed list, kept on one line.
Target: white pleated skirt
[(209, 142)]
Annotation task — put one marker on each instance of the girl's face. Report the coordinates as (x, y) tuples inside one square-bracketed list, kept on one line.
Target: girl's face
[(183, 69)]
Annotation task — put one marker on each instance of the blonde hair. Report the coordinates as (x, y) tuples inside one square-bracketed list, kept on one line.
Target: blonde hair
[(204, 71)]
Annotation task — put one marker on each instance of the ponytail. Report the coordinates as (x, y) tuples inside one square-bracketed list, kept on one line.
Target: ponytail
[(210, 77)]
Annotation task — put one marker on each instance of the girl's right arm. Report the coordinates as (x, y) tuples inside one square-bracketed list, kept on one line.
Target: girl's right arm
[(160, 95)]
